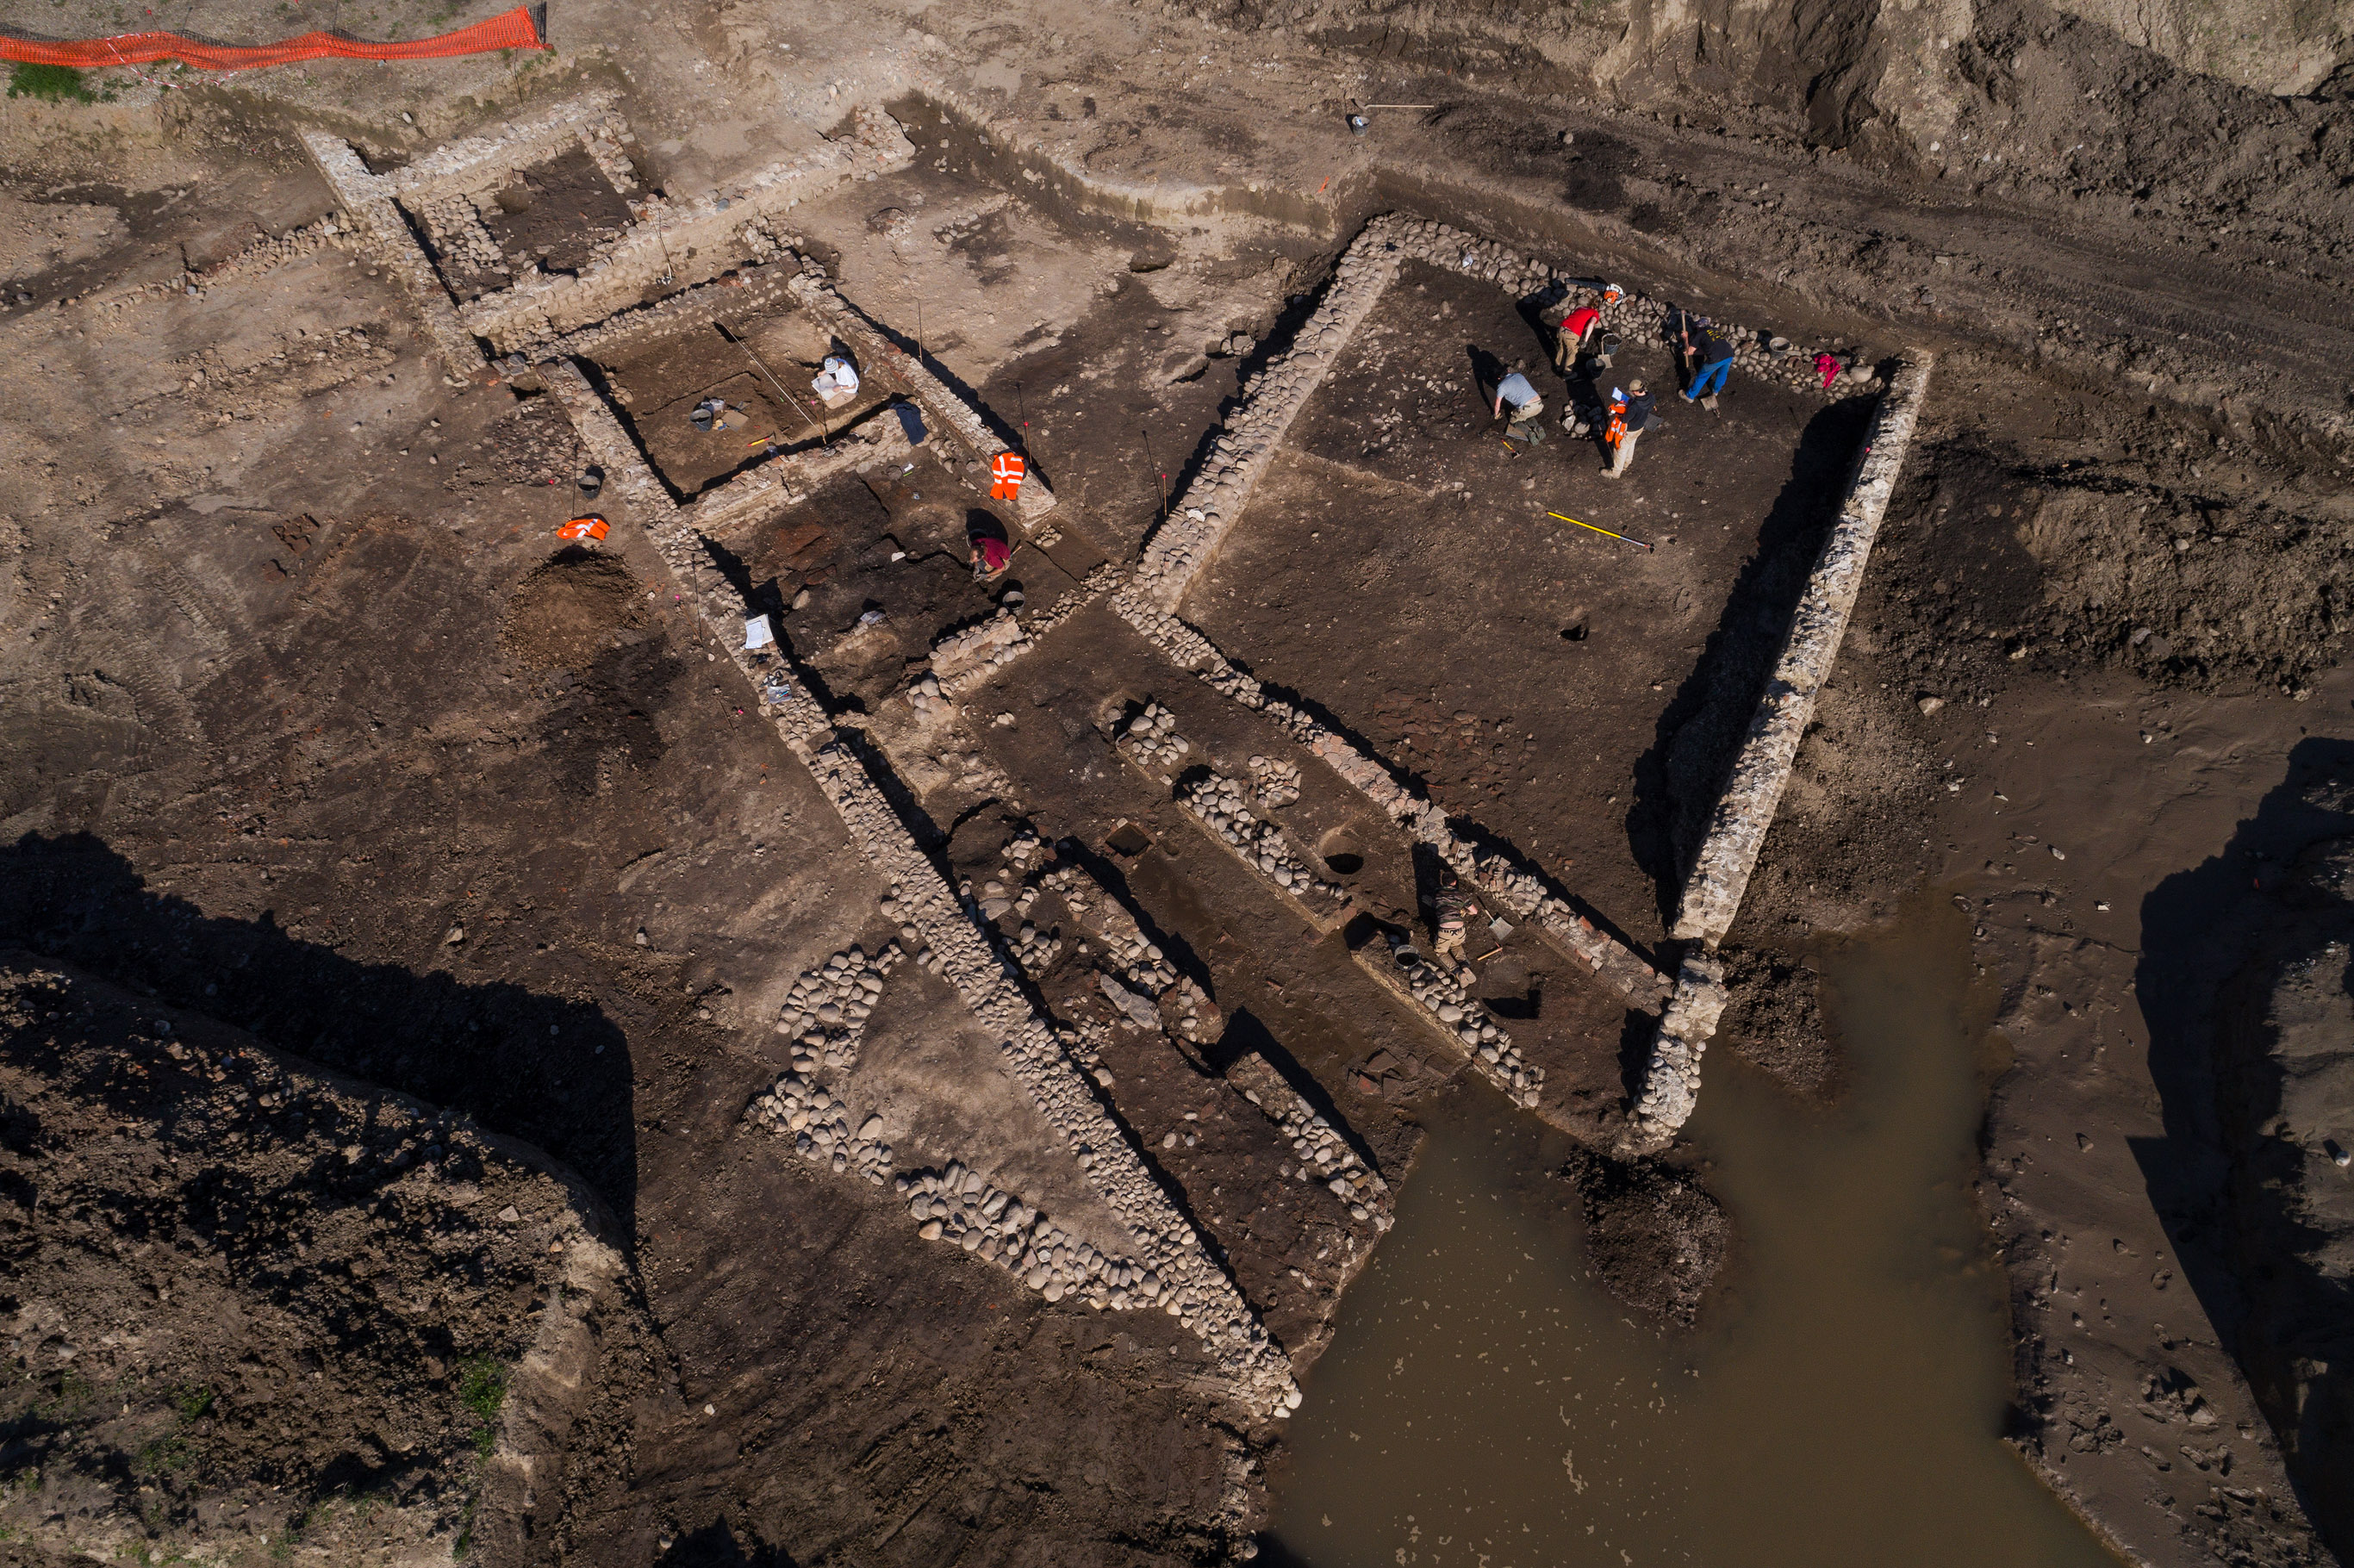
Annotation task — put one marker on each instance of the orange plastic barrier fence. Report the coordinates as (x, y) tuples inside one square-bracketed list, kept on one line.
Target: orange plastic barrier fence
[(517, 29)]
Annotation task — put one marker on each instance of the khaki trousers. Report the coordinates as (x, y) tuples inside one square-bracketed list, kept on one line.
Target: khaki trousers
[(1620, 459)]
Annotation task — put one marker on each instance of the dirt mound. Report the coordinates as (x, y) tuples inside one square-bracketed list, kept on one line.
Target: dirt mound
[(1654, 1237), (2277, 1272), (569, 610), (254, 1307), (2191, 588), (1773, 1019), (2151, 558)]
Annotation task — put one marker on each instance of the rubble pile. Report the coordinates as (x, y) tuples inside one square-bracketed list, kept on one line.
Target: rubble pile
[(1151, 739), (963, 659), (1275, 781)]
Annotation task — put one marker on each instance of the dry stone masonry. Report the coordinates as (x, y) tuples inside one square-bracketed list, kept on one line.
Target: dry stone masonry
[(904, 372), (1192, 1287), (826, 1011), (651, 248), (540, 308), (805, 1110), (1324, 1156), (1671, 1078), (474, 162), (1141, 962), (1757, 352), (1199, 519), (1444, 991), (1141, 971), (1519, 890), (384, 230), (1221, 806), (332, 232), (1151, 740), (968, 656), (952, 934), (1275, 781), (1752, 790), (768, 488), (727, 299), (454, 224), (829, 1008), (963, 659), (958, 1206)]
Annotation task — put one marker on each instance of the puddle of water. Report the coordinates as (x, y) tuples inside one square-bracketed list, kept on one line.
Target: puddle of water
[(1485, 1404)]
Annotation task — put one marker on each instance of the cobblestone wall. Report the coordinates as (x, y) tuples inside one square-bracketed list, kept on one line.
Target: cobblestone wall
[(333, 231), (1752, 790), (730, 299), (968, 656), (472, 162), (902, 372), (1324, 1155), (763, 491), (542, 305), (384, 230), (1671, 1079), (1194, 1287), (1517, 889), (1199, 519), (454, 226), (808, 1110)]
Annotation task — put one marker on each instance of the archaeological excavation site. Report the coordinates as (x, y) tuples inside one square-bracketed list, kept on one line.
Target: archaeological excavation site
[(1176, 783)]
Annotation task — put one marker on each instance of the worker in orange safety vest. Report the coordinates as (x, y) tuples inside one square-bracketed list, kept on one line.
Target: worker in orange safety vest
[(1630, 416), (1006, 472)]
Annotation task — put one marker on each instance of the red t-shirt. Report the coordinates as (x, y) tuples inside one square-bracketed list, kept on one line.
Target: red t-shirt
[(1574, 324), (994, 555)]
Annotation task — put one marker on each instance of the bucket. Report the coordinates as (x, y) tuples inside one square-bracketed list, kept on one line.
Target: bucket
[(1610, 345)]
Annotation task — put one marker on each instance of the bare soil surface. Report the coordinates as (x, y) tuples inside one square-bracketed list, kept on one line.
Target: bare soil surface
[(552, 216), (1775, 1019), (2105, 810), (252, 1305), (760, 368), (314, 733), (1535, 677)]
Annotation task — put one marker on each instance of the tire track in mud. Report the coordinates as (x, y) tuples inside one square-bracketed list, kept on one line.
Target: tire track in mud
[(2150, 285)]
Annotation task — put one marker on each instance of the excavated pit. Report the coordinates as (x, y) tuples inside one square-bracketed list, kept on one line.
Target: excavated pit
[(324, 674)]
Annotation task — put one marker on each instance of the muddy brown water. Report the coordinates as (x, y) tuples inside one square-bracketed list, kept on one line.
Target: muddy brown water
[(1485, 1403)]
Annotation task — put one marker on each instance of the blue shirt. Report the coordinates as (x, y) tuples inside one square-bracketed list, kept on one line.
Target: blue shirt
[(1515, 389)]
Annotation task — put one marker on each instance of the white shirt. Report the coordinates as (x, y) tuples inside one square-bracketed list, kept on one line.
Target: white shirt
[(837, 377)]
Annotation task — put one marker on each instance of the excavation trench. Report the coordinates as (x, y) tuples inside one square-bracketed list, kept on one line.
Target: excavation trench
[(1842, 1400)]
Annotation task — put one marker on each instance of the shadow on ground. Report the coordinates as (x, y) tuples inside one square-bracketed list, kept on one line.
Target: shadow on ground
[(1678, 779), (548, 1070), (2243, 980)]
